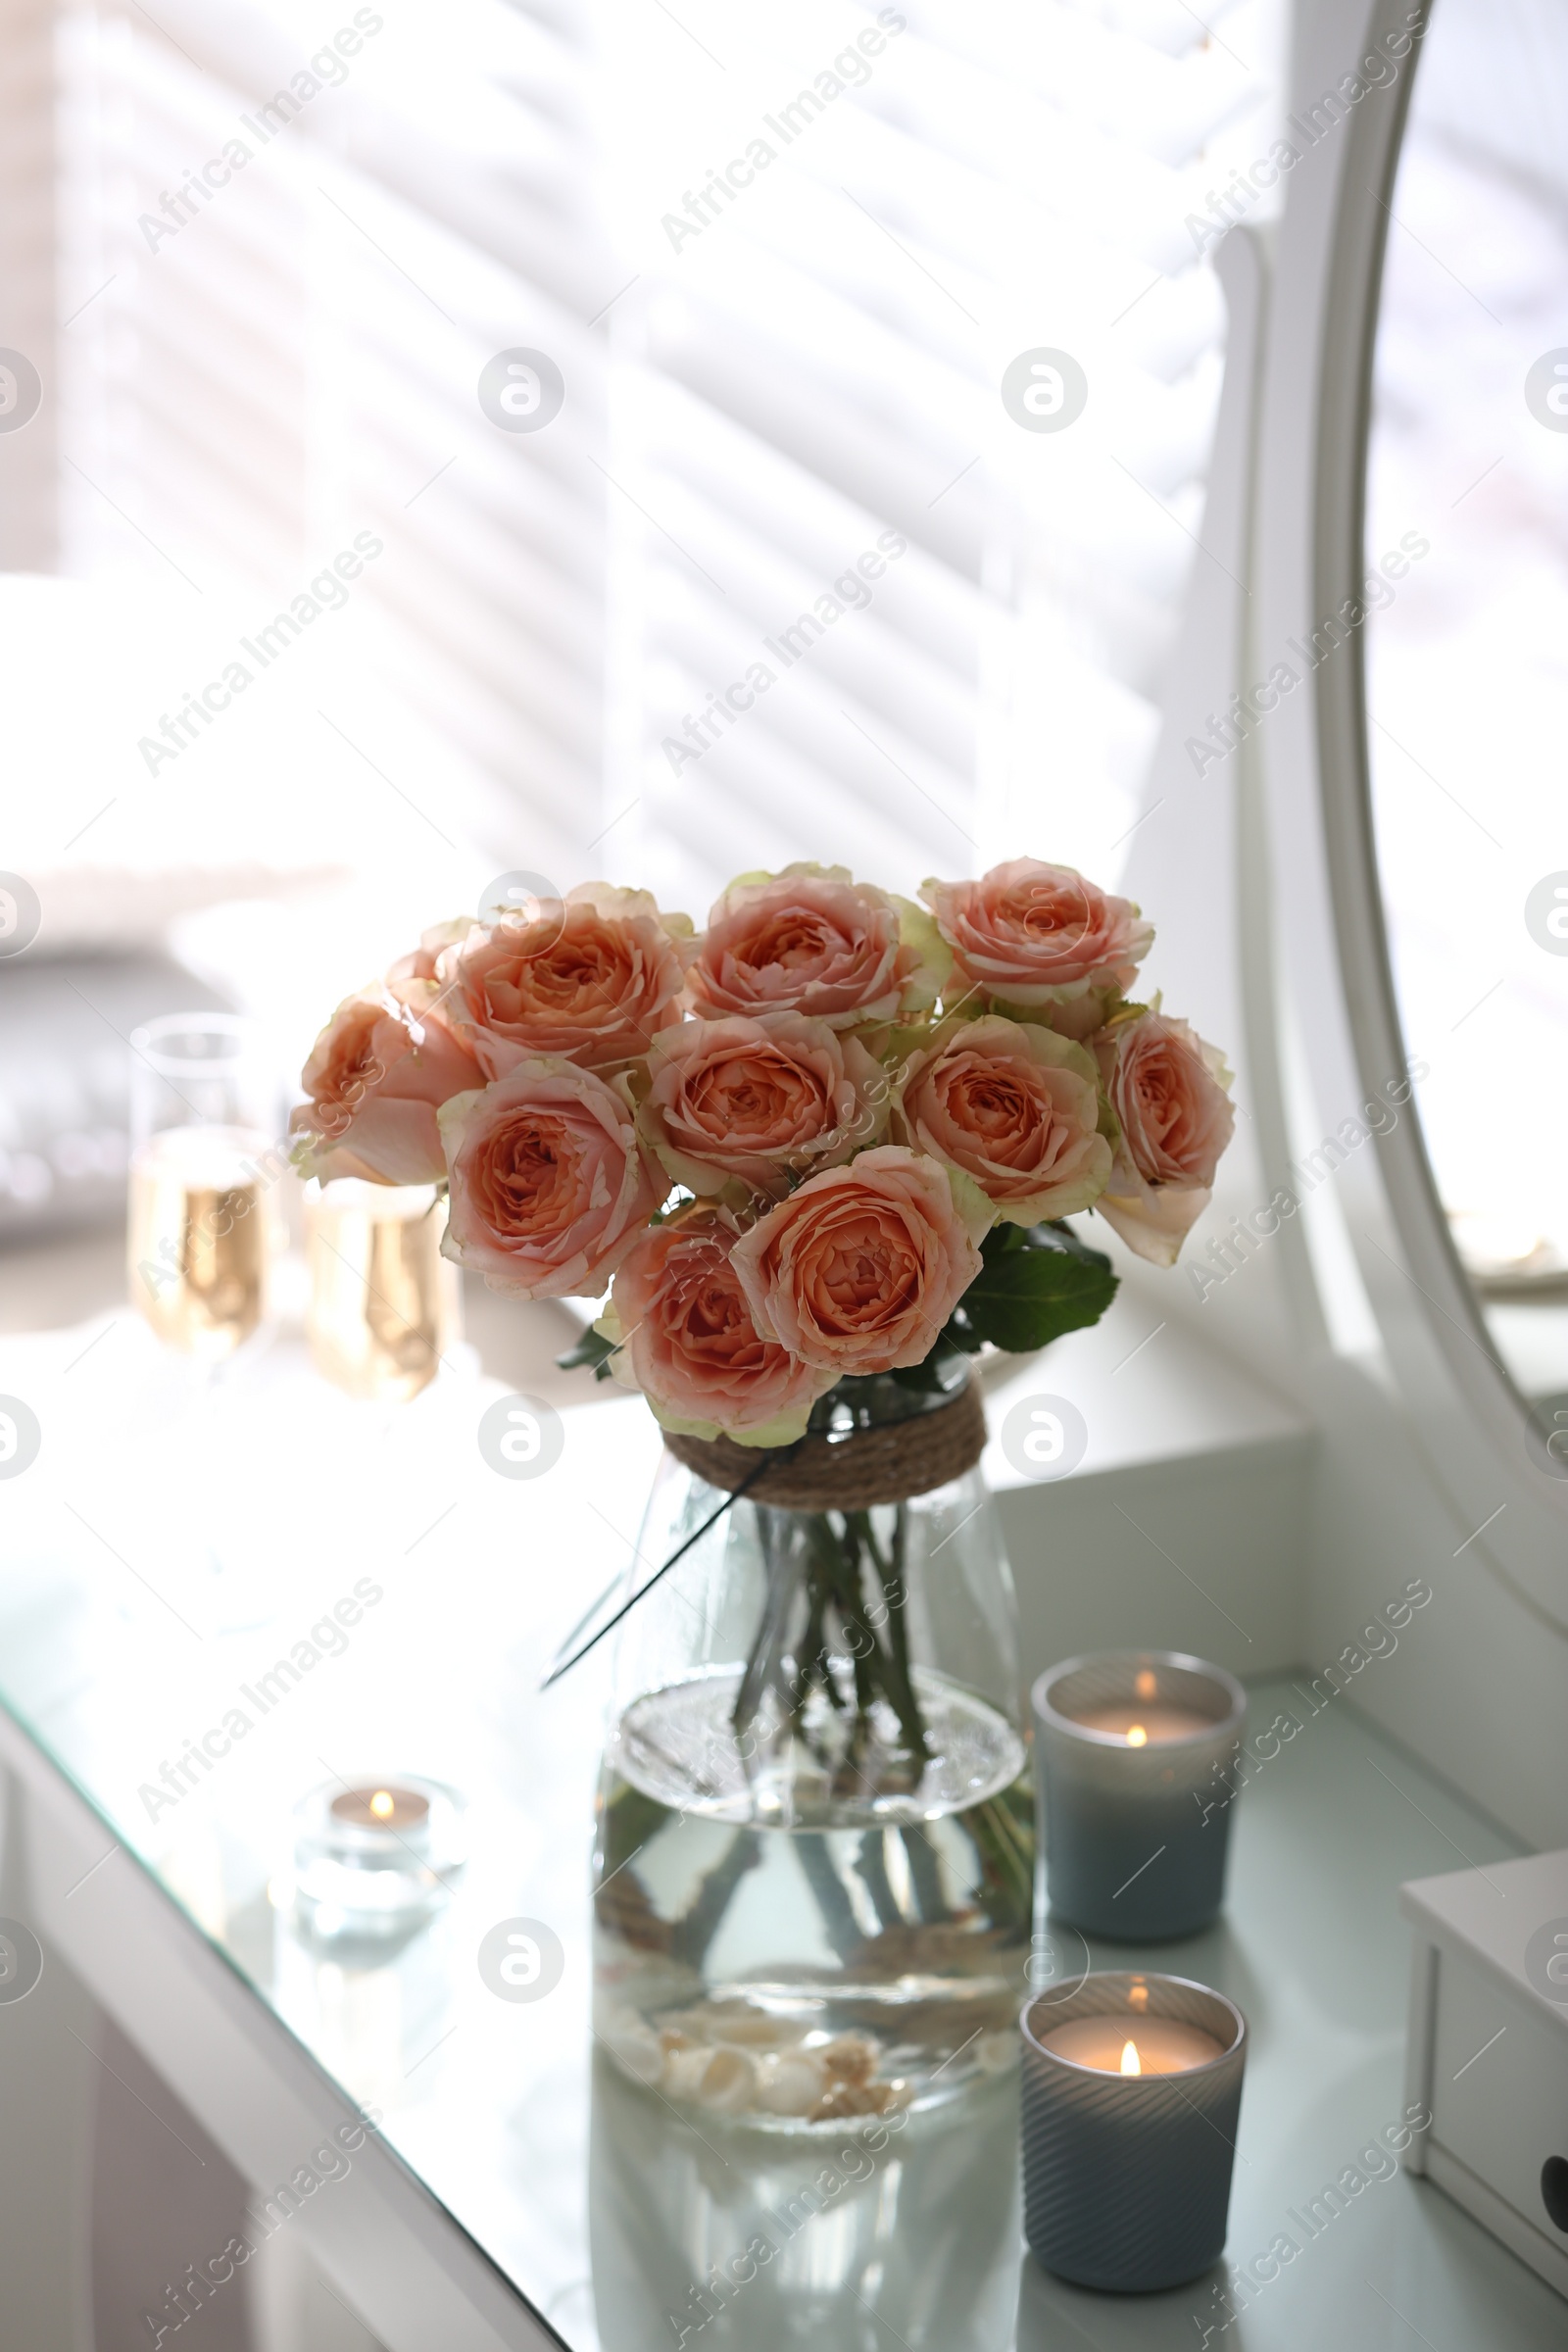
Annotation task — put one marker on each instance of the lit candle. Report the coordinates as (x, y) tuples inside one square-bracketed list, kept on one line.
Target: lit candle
[(1138, 1725), (373, 1863), (1133, 1752), (1133, 2044), (1131, 2087), (401, 1812)]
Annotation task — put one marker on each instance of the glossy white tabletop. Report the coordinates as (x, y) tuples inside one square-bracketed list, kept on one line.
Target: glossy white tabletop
[(603, 2205)]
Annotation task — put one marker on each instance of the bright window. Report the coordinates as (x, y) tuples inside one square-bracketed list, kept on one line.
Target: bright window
[(782, 578)]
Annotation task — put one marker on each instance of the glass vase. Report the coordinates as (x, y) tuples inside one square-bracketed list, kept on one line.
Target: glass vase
[(815, 1853)]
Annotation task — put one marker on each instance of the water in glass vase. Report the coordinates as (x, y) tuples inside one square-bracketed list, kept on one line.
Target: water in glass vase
[(796, 1930)]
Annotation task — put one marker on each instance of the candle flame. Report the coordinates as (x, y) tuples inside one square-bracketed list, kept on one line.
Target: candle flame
[(382, 1804), (1145, 1684), (1137, 1737), (1129, 2059)]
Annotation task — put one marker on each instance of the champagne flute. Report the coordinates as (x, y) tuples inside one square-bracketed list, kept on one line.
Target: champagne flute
[(202, 1232), (202, 1169), (384, 1303)]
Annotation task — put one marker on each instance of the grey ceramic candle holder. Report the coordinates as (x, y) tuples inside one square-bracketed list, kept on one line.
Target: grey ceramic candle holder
[(1135, 1838), (1127, 2178)]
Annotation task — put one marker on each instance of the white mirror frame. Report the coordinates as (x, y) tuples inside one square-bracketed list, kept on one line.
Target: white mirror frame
[(1453, 1392)]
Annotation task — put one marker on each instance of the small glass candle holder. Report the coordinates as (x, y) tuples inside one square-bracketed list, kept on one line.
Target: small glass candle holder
[(373, 1862), (1132, 2088), (385, 1304), (1135, 1751)]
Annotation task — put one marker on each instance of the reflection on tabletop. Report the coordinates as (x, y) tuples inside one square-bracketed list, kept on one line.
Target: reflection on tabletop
[(852, 2239), (843, 2240)]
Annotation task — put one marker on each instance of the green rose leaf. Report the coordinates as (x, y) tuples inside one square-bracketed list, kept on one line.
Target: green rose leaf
[(1032, 1286), (934, 1375), (592, 1350), (1059, 1235)]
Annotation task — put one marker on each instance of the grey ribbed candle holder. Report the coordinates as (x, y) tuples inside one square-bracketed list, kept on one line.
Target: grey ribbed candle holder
[(1135, 1838), (1127, 2178)]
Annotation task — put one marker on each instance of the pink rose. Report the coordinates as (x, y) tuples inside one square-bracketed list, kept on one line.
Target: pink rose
[(421, 962), (812, 941), (689, 1343), (1167, 1090), (550, 1188), (1014, 1107), (858, 1270), (376, 1076), (590, 978), (755, 1102), (1040, 937)]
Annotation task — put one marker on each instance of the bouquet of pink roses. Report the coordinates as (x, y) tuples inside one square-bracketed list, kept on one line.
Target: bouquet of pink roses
[(834, 1135)]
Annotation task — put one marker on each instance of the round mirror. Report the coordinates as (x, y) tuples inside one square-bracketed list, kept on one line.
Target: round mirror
[(1466, 654)]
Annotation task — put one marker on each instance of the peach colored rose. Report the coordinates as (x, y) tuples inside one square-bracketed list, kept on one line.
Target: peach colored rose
[(590, 978), (812, 941), (1040, 938), (688, 1340), (858, 1270), (1014, 1107), (376, 1076), (1167, 1090), (754, 1101), (421, 962), (550, 1187)]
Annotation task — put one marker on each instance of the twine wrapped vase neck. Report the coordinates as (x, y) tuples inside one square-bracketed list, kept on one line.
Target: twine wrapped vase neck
[(889, 1463)]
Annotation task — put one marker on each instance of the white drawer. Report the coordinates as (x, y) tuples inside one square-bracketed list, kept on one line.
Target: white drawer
[(1488, 2055), (1500, 2087)]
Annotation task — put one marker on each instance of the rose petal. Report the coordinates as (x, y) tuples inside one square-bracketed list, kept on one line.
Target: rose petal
[(687, 1339), (589, 979), (1167, 1090), (386, 1053), (1040, 937), (1016, 1108), (812, 941), (860, 1268), (757, 1101), (549, 1185)]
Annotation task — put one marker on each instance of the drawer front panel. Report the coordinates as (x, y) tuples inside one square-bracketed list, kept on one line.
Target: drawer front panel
[(1500, 2087)]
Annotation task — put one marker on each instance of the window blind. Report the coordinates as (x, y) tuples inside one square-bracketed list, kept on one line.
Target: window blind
[(784, 577)]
